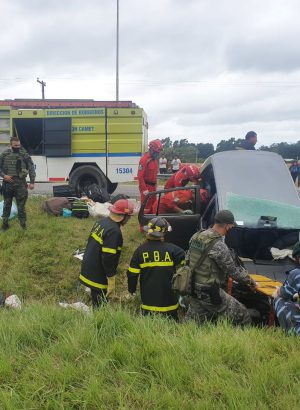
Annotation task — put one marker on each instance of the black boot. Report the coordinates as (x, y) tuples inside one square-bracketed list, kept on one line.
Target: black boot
[(23, 224), (5, 226)]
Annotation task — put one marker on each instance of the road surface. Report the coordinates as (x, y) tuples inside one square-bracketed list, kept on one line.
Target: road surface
[(46, 189), (130, 189)]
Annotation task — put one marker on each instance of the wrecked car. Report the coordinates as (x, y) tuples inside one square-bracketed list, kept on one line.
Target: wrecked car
[(257, 187)]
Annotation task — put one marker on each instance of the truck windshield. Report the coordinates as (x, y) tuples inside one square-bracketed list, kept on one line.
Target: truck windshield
[(248, 211)]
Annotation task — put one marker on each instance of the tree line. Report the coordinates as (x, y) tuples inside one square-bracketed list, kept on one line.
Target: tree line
[(193, 152)]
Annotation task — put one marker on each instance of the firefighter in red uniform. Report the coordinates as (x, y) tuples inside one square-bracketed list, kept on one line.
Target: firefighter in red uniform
[(103, 250), (183, 176), (154, 264), (147, 173), (176, 202)]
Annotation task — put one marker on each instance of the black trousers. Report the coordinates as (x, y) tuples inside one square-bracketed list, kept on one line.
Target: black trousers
[(98, 297)]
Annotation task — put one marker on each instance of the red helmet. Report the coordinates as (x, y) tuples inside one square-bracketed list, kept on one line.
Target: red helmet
[(122, 207), (156, 145), (192, 171)]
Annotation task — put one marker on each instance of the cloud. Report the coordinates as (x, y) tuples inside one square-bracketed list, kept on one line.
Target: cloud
[(201, 69)]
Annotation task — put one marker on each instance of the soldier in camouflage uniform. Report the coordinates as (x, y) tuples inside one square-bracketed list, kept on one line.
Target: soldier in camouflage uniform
[(15, 165), (213, 264)]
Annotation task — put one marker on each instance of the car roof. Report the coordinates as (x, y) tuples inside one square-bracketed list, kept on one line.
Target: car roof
[(254, 174)]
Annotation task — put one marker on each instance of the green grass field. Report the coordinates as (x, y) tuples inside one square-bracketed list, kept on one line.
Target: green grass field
[(51, 358)]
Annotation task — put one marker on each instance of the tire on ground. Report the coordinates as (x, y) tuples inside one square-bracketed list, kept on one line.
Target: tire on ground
[(85, 175)]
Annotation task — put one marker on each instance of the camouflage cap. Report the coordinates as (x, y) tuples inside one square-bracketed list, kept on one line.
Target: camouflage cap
[(296, 249), (224, 217)]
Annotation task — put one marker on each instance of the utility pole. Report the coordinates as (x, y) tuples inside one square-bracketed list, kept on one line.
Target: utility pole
[(43, 84), (117, 55)]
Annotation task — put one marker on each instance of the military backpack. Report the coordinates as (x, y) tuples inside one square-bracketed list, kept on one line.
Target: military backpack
[(183, 280)]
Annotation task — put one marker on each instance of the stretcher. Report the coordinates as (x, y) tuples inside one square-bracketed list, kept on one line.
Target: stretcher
[(267, 286)]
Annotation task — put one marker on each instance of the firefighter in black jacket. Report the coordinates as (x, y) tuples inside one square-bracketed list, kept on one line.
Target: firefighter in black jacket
[(103, 250), (154, 263)]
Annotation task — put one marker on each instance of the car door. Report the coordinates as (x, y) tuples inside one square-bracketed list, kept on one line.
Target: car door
[(183, 225)]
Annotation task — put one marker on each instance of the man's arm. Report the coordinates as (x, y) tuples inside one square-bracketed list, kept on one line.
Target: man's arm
[(140, 175), (220, 253), (133, 273), (179, 256), (111, 253), (291, 285), (30, 167)]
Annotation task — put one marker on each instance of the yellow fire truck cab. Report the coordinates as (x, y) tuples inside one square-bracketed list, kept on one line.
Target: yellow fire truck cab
[(83, 141)]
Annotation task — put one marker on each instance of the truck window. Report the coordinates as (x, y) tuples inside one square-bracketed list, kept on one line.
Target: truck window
[(30, 133)]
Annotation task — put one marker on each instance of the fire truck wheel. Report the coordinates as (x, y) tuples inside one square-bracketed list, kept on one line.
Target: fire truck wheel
[(86, 175)]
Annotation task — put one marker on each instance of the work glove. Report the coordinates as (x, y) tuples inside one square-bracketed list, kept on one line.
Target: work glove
[(111, 285), (187, 212)]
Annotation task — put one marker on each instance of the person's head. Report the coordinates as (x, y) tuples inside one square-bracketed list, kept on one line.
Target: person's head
[(193, 173), (296, 252), (175, 157), (157, 228), (15, 144), (251, 136), (155, 147), (163, 155), (121, 211), (224, 222)]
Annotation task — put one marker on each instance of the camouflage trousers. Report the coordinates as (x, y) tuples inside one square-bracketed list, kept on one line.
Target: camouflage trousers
[(17, 189), (201, 310)]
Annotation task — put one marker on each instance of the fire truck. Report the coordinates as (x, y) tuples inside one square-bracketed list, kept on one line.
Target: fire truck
[(80, 141)]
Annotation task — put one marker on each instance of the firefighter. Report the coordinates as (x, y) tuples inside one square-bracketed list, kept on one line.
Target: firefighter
[(154, 264), (103, 250), (183, 176), (179, 201), (147, 173)]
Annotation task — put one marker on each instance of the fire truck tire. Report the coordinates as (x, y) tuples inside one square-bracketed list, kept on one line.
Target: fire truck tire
[(112, 186), (86, 175)]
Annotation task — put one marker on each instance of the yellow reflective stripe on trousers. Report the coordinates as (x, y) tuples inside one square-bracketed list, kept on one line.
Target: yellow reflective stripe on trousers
[(97, 238), (94, 284), (153, 264), (109, 250), (160, 309), (134, 270)]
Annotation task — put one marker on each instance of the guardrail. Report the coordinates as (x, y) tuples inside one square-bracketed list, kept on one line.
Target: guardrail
[(164, 176)]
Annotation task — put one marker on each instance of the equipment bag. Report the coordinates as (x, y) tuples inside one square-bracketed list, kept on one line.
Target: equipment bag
[(55, 206), (64, 191), (80, 209), (97, 194), (183, 280)]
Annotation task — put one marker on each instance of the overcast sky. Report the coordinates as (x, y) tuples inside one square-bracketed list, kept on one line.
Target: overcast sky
[(202, 69)]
